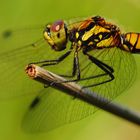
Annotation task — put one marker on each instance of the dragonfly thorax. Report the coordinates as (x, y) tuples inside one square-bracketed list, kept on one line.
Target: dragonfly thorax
[(95, 35)]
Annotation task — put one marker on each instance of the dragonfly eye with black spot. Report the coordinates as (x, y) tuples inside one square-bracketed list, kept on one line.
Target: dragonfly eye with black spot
[(48, 31)]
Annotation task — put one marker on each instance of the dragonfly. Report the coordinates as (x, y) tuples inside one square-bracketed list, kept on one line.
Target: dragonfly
[(90, 51)]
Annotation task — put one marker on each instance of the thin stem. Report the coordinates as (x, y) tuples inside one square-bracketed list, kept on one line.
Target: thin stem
[(41, 75)]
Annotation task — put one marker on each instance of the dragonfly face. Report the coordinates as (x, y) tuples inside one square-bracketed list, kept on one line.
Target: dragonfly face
[(56, 35)]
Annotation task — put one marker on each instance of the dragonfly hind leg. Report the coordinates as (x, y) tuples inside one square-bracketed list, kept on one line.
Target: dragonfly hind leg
[(104, 67)]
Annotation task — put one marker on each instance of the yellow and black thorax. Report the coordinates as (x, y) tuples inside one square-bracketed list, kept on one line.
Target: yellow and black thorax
[(95, 33)]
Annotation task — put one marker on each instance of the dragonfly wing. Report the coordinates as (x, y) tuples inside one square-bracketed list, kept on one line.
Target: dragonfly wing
[(14, 57), (124, 67), (55, 109)]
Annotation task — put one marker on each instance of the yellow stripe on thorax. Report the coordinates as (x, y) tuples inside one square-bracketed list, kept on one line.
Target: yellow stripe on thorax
[(106, 43), (95, 30)]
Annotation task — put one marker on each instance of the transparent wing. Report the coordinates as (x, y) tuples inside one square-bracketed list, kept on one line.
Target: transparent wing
[(55, 108), (16, 52), (124, 67)]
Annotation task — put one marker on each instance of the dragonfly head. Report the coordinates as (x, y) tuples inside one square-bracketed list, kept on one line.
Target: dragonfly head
[(56, 35)]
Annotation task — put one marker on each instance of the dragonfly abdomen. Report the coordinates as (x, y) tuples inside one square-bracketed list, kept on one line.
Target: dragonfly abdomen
[(132, 42)]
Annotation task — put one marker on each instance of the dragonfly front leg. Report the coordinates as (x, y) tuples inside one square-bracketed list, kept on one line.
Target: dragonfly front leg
[(52, 62), (75, 69)]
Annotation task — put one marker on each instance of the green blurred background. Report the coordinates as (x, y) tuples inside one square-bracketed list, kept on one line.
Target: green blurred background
[(101, 125)]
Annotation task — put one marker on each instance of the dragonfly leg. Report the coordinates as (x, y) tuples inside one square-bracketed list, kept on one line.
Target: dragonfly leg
[(52, 62), (76, 69), (106, 68)]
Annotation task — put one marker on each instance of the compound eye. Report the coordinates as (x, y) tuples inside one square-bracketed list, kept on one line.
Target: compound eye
[(56, 26), (48, 31)]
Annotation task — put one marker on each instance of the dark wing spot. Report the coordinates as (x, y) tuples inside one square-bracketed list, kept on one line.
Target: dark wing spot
[(35, 102), (7, 34)]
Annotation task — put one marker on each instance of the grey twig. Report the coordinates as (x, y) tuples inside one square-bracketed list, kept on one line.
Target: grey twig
[(41, 75)]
